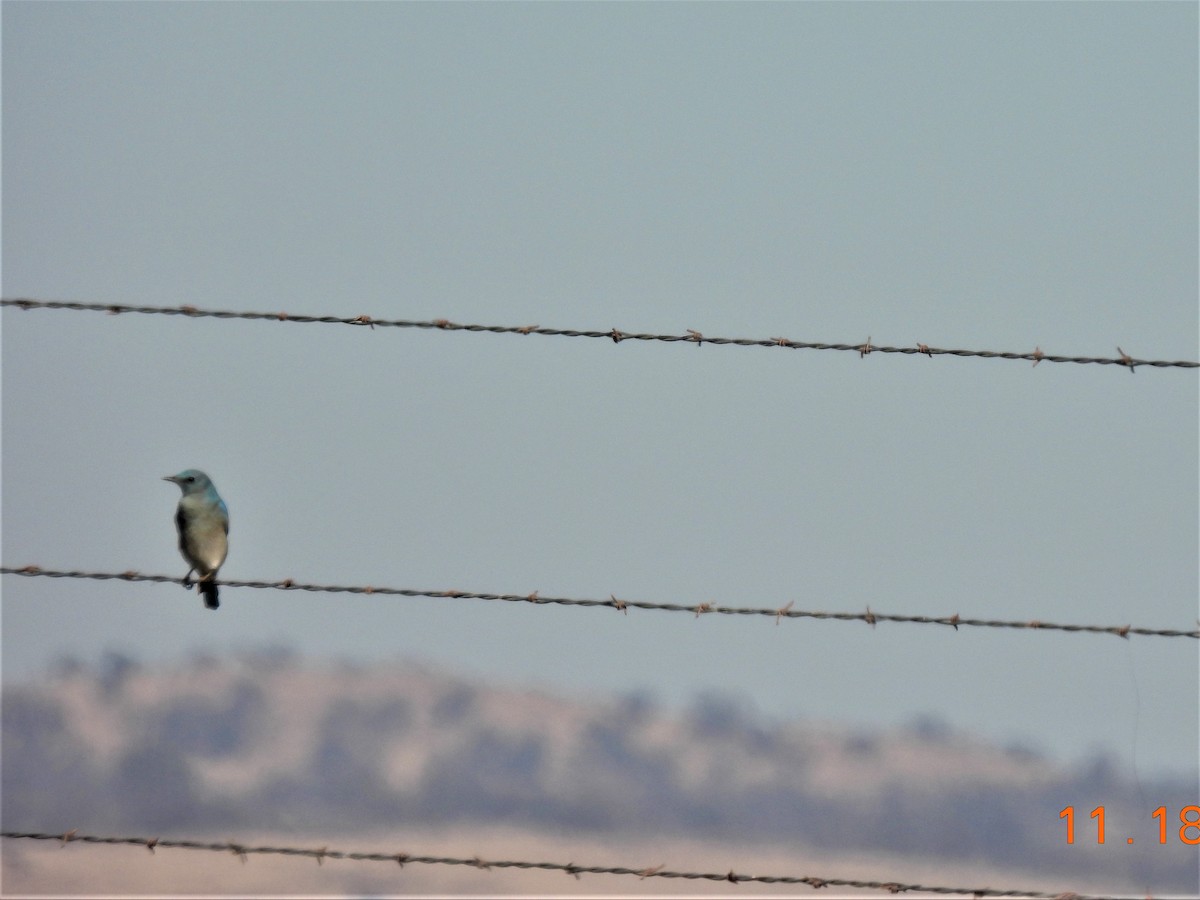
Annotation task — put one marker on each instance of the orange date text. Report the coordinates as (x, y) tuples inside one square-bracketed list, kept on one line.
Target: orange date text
[(1188, 830)]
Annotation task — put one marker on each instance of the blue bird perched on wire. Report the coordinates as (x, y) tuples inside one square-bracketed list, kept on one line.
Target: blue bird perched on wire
[(203, 524)]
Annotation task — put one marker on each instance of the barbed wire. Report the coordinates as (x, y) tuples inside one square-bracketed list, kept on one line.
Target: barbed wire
[(614, 334), (243, 851), (783, 612)]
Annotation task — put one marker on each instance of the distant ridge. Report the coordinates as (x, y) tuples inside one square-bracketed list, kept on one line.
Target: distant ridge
[(267, 741)]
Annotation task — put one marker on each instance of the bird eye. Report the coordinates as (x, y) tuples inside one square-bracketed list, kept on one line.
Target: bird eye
[(189, 479)]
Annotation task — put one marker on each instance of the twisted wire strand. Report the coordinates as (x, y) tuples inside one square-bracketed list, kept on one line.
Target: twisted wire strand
[(784, 612), (614, 334), (242, 851)]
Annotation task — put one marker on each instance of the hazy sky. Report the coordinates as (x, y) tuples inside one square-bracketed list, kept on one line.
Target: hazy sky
[(964, 175)]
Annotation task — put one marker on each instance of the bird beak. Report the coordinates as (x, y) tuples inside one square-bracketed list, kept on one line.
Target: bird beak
[(171, 478)]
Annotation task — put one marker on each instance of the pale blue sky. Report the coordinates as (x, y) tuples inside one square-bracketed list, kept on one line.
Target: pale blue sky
[(963, 175)]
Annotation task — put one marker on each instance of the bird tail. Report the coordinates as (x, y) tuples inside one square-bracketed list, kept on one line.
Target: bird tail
[(208, 590)]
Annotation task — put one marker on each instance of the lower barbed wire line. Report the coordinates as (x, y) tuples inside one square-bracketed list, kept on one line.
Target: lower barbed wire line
[(785, 612), (614, 334), (403, 859)]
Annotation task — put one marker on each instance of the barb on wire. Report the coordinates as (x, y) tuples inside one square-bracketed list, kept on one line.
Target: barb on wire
[(242, 851), (614, 334), (869, 616)]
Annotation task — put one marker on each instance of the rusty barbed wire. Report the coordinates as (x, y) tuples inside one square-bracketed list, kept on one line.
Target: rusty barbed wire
[(243, 851), (614, 334), (787, 611)]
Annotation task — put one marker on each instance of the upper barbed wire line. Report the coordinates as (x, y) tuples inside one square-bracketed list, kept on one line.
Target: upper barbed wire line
[(242, 851), (614, 334), (787, 611)]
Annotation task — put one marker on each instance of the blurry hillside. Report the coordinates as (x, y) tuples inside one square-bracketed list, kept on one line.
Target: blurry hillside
[(268, 744)]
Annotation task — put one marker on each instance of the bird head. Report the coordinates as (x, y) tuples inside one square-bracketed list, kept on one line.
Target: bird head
[(190, 481)]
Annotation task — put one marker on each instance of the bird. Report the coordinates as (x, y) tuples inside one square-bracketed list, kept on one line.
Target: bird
[(202, 520)]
